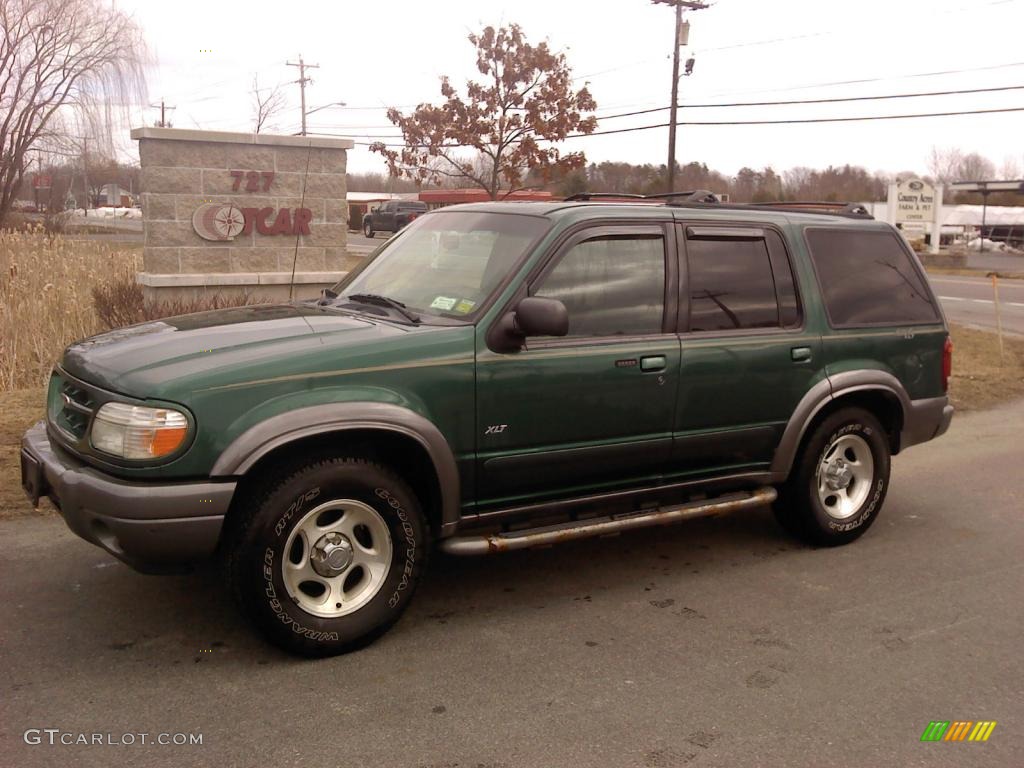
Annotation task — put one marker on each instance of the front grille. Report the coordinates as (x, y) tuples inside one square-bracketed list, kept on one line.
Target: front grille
[(70, 406)]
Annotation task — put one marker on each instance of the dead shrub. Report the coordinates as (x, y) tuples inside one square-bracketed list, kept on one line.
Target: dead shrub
[(119, 302)]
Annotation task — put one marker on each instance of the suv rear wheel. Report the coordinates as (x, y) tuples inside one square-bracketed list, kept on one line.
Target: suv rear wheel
[(367, 229), (838, 485), (329, 555)]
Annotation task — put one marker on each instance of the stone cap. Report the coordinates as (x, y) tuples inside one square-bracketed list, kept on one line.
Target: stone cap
[(225, 137)]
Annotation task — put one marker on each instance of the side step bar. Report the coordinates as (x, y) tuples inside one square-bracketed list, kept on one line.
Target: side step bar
[(602, 526)]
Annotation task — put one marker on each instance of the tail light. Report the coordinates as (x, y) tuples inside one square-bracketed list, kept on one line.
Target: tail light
[(413, 216), (947, 363)]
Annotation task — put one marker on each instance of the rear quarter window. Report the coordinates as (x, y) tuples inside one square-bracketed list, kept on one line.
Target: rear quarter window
[(868, 278)]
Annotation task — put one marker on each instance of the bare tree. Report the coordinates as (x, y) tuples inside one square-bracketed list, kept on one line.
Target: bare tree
[(62, 63), (268, 103), (1010, 169), (944, 163), (974, 167)]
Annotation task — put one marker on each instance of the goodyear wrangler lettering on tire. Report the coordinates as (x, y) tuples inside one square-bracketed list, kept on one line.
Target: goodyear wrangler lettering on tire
[(839, 485), (278, 609), (410, 541), (296, 505), (330, 555)]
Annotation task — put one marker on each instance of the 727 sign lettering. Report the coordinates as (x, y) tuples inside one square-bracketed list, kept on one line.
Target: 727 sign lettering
[(252, 180)]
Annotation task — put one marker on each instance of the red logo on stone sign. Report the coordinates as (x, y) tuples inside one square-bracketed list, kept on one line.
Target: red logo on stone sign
[(220, 222)]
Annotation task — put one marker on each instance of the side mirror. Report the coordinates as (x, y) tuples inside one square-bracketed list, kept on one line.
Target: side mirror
[(537, 316)]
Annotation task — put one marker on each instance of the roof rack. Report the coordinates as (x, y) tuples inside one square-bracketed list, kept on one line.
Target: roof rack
[(701, 198), (695, 196), (582, 197), (820, 206)]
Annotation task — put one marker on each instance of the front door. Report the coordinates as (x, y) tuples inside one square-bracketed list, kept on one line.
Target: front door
[(593, 410)]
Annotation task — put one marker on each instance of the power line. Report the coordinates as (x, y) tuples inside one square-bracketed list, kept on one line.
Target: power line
[(817, 101), (863, 118)]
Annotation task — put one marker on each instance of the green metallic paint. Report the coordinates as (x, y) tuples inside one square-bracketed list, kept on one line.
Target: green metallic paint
[(235, 369)]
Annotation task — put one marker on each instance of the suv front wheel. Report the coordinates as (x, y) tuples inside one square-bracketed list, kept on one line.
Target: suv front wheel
[(367, 229), (838, 485), (328, 555)]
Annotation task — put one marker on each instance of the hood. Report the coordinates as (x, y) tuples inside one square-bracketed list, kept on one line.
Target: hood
[(141, 360)]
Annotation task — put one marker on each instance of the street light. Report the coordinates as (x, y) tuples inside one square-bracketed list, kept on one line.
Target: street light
[(317, 109)]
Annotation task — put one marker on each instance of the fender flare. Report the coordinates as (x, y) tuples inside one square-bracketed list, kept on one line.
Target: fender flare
[(820, 395), (266, 436)]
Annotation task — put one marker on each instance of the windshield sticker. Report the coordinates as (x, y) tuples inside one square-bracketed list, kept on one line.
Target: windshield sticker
[(442, 302), (465, 306)]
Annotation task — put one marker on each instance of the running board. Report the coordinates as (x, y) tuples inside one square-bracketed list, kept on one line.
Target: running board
[(602, 526)]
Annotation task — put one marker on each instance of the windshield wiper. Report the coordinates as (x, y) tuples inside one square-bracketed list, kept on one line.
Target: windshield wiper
[(384, 301)]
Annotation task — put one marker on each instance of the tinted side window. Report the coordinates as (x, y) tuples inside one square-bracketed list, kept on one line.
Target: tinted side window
[(867, 278), (731, 285), (611, 285)]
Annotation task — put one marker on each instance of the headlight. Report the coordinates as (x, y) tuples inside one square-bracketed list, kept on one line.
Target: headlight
[(136, 432)]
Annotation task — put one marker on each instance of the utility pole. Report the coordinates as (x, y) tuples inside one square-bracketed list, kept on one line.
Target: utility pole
[(163, 113), (303, 66), (679, 42), (85, 171)]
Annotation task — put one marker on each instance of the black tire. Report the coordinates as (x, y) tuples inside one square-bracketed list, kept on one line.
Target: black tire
[(259, 535), (367, 229), (800, 509)]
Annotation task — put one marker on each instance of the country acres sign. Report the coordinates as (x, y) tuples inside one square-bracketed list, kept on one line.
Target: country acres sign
[(222, 222), (915, 201)]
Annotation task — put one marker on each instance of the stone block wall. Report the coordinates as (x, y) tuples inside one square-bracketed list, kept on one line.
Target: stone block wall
[(254, 178)]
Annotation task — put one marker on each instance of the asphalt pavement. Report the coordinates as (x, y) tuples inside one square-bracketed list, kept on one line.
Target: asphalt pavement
[(971, 301), (718, 642)]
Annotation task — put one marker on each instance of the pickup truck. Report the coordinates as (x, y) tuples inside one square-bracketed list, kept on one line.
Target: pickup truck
[(392, 216)]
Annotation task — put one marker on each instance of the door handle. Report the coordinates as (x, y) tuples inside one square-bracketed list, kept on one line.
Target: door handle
[(800, 354), (652, 363)]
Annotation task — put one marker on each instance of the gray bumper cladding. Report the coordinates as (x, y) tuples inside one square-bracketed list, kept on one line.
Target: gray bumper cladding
[(151, 527)]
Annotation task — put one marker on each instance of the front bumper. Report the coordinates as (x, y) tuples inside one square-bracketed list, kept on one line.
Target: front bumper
[(152, 527)]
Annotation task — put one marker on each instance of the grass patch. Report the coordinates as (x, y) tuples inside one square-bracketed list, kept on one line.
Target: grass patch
[(973, 272), (19, 410), (980, 378), (46, 299)]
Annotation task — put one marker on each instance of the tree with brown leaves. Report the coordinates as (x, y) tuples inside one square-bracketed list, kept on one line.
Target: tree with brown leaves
[(525, 100), (64, 67)]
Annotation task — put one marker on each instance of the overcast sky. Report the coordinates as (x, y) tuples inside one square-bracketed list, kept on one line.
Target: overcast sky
[(385, 52)]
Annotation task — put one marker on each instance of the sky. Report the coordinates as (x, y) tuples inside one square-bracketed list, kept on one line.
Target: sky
[(372, 55)]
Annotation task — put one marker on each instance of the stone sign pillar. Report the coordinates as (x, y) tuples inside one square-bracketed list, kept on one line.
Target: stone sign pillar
[(227, 213)]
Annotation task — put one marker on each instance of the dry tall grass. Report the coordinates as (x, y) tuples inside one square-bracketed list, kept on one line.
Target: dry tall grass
[(46, 298)]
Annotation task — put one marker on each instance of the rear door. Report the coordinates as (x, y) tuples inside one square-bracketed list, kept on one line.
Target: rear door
[(747, 357), (593, 410)]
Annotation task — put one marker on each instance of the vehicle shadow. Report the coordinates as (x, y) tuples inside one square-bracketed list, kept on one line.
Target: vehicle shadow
[(191, 619)]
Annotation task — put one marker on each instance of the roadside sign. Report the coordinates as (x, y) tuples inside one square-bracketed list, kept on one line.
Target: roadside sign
[(915, 201)]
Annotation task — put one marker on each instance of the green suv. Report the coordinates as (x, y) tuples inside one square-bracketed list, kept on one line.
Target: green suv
[(500, 376)]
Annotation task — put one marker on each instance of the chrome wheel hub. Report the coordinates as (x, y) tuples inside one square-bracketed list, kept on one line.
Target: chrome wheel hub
[(838, 475), (331, 555), (337, 558), (845, 476)]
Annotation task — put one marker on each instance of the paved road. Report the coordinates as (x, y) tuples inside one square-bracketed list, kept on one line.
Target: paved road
[(969, 300), (713, 643)]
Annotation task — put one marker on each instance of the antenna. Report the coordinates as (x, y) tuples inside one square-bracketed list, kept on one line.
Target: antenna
[(302, 204)]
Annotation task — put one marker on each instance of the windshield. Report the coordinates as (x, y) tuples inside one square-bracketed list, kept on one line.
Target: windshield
[(446, 263)]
